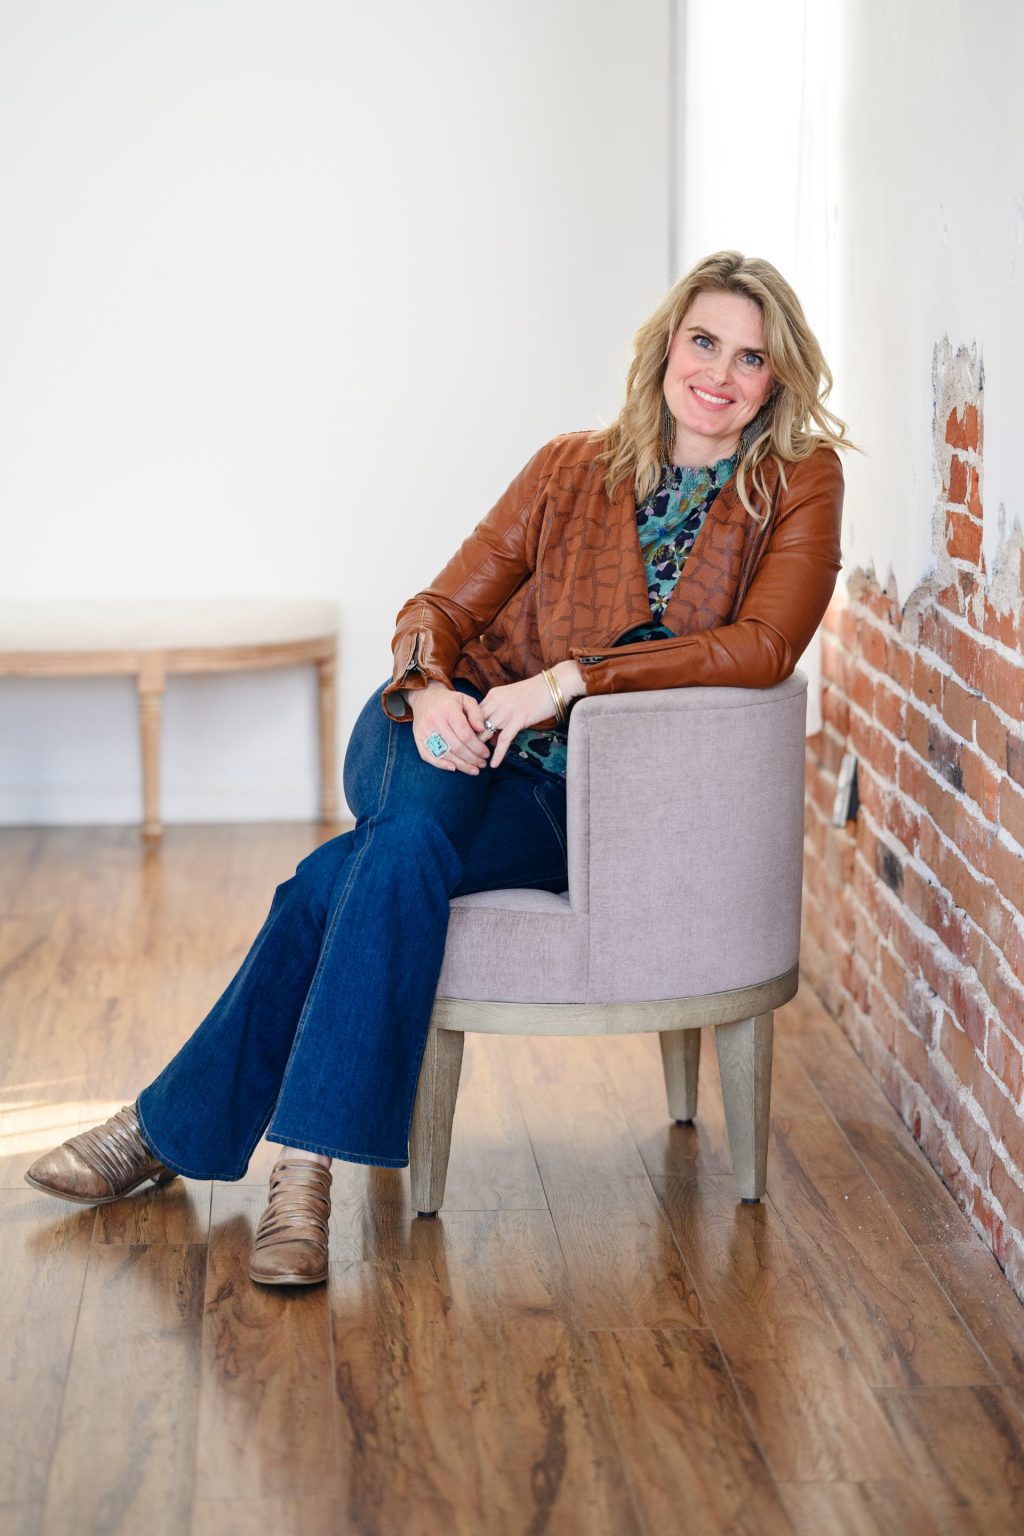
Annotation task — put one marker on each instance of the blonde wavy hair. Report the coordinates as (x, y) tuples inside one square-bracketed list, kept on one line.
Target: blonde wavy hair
[(636, 442)]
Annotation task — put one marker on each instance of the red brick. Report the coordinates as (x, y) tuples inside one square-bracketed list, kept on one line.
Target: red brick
[(980, 784), (999, 626), (919, 895), (1011, 810), (1007, 870), (974, 492), (861, 690), (963, 537), (835, 709), (904, 937), (888, 707), (926, 681), (1004, 683), (952, 928), (1005, 1061), (962, 431), (957, 491), (873, 647), (903, 820), (992, 739), (911, 772), (1009, 1194), (990, 1222), (1008, 997), (972, 837), (974, 1140), (958, 1049), (998, 1107), (951, 598), (959, 708), (970, 1007), (915, 728), (1013, 756)]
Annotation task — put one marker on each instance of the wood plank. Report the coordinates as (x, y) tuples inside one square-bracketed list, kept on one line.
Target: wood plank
[(868, 1509), (968, 1444), (977, 1288), (45, 1244), (810, 1410), (623, 1266), (896, 1320), (684, 1435), (547, 1448), (259, 1517), (407, 1456), (123, 1458), (265, 1399)]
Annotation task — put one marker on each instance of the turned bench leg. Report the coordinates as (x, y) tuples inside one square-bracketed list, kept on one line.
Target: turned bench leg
[(151, 681), (327, 672)]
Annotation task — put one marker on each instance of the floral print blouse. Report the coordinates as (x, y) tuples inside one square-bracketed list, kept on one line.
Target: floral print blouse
[(667, 523)]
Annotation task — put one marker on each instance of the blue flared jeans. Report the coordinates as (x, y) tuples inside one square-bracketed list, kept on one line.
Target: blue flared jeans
[(318, 1039)]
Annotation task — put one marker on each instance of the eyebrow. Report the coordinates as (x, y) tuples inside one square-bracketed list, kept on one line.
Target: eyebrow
[(703, 330)]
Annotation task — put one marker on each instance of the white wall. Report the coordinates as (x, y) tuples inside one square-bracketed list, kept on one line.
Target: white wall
[(931, 232), (288, 294), (758, 159)]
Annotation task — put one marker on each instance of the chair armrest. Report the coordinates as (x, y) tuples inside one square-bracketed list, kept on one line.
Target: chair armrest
[(685, 812)]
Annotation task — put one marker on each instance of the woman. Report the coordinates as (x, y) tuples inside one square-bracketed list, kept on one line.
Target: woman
[(694, 541)]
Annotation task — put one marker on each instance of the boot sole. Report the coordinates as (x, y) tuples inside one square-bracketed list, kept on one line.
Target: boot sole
[(61, 1194), (287, 1279)]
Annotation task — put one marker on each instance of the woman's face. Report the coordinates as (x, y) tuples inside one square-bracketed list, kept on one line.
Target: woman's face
[(717, 376)]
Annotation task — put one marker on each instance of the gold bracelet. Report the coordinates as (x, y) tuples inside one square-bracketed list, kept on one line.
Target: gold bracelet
[(561, 708)]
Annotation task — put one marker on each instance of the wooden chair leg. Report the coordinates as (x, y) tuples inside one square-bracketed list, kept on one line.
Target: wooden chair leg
[(430, 1135), (151, 681), (327, 672), (680, 1060), (745, 1067)]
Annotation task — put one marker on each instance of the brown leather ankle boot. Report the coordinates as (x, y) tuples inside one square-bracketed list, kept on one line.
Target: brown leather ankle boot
[(290, 1246), (99, 1165)]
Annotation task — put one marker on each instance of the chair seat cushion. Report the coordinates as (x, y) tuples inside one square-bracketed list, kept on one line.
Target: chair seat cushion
[(515, 946), (164, 625)]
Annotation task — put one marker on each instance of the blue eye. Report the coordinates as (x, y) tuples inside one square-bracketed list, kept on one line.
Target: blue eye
[(753, 359), (699, 339)]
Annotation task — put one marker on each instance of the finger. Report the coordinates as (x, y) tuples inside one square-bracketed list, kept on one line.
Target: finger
[(474, 714), (465, 744), (501, 746)]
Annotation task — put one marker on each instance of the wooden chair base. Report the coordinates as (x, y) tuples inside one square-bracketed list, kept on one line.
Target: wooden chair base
[(743, 1044)]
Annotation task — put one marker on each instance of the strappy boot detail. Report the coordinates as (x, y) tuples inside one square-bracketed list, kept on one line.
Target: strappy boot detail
[(291, 1242), (101, 1164)]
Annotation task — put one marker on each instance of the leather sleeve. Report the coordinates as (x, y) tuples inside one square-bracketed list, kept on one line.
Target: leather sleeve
[(496, 558), (783, 606)]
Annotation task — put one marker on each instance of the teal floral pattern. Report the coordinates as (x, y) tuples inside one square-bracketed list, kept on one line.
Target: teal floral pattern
[(667, 523)]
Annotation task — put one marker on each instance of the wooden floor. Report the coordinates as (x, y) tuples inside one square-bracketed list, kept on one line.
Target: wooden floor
[(593, 1336)]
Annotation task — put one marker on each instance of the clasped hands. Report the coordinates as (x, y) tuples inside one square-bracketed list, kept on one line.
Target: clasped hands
[(460, 719)]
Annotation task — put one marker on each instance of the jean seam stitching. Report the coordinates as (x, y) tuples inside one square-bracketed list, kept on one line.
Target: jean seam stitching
[(537, 795)]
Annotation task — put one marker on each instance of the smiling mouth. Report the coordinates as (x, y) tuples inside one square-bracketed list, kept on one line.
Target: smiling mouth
[(710, 399)]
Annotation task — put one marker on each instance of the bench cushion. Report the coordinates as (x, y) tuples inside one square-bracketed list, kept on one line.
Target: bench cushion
[(163, 624)]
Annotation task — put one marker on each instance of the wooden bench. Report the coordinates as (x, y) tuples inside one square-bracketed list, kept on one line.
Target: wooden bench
[(151, 640)]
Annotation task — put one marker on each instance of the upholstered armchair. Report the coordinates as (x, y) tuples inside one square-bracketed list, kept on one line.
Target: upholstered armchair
[(685, 843)]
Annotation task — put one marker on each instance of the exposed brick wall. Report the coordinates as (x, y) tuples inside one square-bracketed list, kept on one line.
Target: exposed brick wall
[(913, 930)]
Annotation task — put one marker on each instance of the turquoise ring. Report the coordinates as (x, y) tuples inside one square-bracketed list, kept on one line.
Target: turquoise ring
[(437, 745)]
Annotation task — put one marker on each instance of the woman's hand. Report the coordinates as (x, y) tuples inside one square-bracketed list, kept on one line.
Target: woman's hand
[(455, 716), (514, 706)]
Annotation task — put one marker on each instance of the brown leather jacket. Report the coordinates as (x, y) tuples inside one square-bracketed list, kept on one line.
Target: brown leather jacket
[(555, 570)]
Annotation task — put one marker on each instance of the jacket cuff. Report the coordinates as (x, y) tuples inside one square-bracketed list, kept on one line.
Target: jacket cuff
[(409, 673)]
